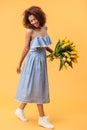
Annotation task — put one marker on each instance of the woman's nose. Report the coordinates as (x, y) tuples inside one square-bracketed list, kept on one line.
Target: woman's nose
[(34, 22)]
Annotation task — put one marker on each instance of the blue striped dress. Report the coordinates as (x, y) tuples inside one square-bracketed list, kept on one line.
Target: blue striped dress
[(33, 84)]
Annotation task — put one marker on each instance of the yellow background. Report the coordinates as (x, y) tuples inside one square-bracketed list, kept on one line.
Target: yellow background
[(68, 88)]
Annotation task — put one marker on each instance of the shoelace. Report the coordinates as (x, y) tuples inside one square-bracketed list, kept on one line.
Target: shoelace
[(46, 119)]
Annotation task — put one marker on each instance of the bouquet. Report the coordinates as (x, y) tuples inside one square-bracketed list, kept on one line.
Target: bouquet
[(66, 52)]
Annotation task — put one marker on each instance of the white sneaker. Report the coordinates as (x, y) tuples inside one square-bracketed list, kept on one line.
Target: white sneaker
[(20, 114), (43, 121)]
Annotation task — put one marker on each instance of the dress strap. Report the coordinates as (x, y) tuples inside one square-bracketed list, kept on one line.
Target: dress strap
[(45, 27)]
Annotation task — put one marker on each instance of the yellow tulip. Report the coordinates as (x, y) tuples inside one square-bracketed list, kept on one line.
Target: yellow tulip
[(65, 65), (66, 44), (68, 59), (73, 56), (73, 52), (73, 48), (66, 54), (64, 59), (64, 38), (73, 45)]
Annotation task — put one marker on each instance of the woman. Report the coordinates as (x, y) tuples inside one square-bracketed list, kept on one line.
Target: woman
[(33, 83)]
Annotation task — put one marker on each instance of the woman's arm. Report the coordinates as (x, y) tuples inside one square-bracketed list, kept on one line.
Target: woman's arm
[(25, 50), (49, 49)]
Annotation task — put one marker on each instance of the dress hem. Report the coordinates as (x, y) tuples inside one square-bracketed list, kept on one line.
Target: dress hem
[(31, 102)]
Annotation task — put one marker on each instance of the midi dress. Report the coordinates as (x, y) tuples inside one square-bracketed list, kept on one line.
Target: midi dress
[(33, 86)]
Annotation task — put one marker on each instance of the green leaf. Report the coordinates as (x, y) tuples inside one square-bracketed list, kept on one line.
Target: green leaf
[(70, 64), (57, 46), (61, 64)]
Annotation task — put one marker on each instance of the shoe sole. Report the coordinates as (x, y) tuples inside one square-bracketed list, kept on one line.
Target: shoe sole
[(45, 127)]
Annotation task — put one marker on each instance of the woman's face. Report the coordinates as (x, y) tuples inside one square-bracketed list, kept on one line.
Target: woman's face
[(33, 21)]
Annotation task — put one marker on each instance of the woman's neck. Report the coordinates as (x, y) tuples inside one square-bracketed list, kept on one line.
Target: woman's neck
[(38, 28)]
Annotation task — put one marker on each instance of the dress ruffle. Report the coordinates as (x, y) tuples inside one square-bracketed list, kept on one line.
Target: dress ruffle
[(40, 41)]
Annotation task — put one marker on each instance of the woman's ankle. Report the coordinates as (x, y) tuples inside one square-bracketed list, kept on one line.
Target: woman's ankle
[(22, 106)]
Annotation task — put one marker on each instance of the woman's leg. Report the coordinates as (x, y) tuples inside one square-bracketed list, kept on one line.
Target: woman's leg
[(43, 121), (41, 110), (22, 106)]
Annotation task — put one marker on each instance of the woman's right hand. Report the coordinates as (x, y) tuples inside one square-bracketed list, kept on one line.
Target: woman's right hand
[(19, 69)]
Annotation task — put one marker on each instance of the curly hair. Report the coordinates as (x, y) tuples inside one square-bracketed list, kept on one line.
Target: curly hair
[(37, 12)]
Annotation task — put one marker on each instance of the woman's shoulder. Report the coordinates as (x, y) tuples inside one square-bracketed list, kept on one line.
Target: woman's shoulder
[(29, 31)]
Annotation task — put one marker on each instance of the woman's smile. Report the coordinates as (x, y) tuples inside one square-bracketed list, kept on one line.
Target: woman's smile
[(33, 21)]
